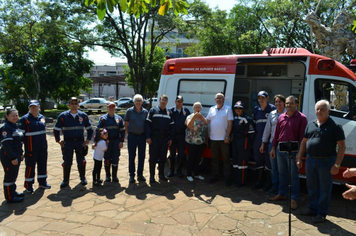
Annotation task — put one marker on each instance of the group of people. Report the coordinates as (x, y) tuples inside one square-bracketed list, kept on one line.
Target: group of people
[(175, 128)]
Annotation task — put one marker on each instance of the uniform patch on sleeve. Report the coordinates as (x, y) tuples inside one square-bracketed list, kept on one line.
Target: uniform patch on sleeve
[(4, 134)]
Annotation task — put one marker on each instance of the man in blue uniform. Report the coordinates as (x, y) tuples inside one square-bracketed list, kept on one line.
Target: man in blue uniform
[(159, 130), (260, 114), (113, 123), (242, 130), (33, 126), (72, 124), (179, 114)]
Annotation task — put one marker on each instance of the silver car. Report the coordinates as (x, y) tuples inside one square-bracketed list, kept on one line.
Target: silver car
[(94, 104)]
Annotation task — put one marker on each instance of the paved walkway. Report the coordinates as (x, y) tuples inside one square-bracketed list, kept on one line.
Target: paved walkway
[(178, 207)]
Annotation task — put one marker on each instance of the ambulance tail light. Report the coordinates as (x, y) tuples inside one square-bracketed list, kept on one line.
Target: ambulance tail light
[(326, 65), (353, 62), (171, 68)]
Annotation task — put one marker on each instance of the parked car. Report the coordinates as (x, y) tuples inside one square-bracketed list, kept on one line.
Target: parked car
[(154, 101), (121, 100), (2, 107), (130, 103), (94, 104)]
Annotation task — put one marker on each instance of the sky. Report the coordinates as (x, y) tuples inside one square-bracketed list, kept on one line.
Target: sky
[(101, 57)]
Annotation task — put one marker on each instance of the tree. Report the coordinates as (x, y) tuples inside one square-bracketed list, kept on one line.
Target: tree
[(40, 61), (123, 34), (155, 71)]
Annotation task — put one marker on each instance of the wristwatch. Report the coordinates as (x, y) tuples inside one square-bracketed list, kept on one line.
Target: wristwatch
[(336, 165)]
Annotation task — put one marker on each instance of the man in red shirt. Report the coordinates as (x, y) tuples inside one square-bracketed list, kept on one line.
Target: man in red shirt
[(290, 126)]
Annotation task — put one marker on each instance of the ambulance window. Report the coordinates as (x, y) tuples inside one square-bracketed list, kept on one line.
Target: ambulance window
[(200, 90), (340, 95)]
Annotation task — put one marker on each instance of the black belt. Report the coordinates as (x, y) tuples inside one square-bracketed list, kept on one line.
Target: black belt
[(319, 157), (161, 136), (74, 139), (135, 134)]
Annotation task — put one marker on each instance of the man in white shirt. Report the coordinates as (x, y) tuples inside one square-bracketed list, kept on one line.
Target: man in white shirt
[(220, 118)]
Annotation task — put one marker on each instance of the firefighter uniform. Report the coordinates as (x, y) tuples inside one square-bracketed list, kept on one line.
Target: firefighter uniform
[(178, 144), (261, 159), (116, 130), (160, 129), (11, 141), (242, 131), (34, 129), (73, 132)]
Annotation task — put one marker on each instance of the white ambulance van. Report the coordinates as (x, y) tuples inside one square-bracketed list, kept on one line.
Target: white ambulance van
[(288, 71)]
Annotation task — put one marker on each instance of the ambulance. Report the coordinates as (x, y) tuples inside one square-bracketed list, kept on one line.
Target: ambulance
[(288, 71)]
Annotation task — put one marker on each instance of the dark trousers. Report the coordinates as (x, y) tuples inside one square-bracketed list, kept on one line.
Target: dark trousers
[(218, 147), (139, 142), (97, 169), (195, 152), (240, 152), (178, 144), (158, 149), (38, 157), (112, 154), (10, 175), (68, 151), (262, 159)]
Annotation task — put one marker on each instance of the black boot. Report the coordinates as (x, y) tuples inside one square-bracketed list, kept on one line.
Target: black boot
[(259, 182), (161, 172), (172, 163), (81, 170), (179, 169), (268, 184), (66, 173), (152, 173), (114, 174), (107, 171)]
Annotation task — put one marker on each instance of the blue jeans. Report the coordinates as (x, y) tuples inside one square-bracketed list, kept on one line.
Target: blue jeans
[(283, 169), (138, 141), (319, 183), (274, 170)]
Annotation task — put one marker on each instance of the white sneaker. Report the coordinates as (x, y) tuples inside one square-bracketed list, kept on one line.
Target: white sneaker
[(199, 177), (190, 178)]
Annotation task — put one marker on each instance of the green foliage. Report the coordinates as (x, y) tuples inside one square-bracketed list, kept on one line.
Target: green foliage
[(62, 107), (138, 7), (40, 60)]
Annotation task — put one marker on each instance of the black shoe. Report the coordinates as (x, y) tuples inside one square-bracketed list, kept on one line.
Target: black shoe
[(170, 173), (132, 180), (267, 187), (162, 177), (239, 185), (141, 178), (83, 181), (107, 179), (100, 181), (257, 185), (96, 183), (152, 180), (318, 219), (15, 200), (272, 191), (307, 213), (64, 184), (45, 186), (179, 174), (19, 194), (115, 179), (213, 180)]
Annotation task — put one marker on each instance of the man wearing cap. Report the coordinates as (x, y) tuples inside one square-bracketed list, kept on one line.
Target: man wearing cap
[(221, 119), (114, 124), (242, 131), (33, 126), (179, 114), (72, 124), (135, 127), (159, 131), (263, 164)]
